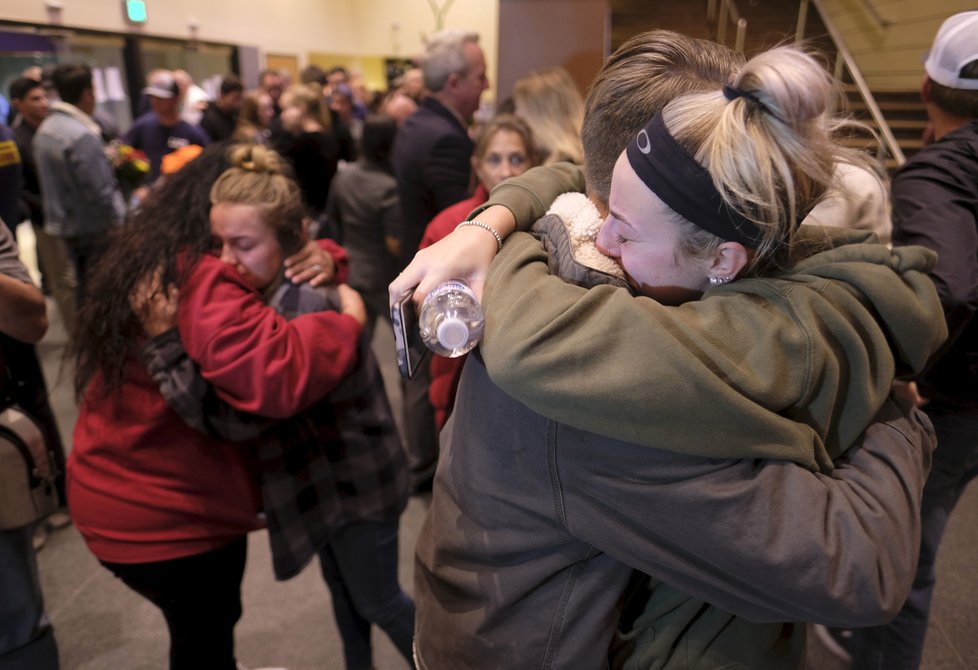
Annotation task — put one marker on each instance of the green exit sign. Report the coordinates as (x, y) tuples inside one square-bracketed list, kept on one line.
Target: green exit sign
[(135, 11)]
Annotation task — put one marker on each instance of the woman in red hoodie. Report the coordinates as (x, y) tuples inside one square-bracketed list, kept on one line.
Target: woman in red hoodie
[(164, 507)]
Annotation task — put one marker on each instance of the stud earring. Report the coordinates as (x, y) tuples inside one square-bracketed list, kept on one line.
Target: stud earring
[(716, 281)]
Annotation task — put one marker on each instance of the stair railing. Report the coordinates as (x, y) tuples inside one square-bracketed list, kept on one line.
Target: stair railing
[(728, 10), (844, 58), (871, 8)]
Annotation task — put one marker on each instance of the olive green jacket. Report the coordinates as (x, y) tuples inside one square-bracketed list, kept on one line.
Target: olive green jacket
[(790, 367)]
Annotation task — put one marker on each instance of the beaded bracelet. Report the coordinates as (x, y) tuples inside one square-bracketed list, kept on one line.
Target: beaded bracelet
[(499, 240)]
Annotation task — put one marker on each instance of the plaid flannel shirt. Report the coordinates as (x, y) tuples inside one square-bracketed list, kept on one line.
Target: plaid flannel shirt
[(337, 462)]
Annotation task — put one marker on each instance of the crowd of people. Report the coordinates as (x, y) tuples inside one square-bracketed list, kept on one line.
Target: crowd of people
[(722, 391)]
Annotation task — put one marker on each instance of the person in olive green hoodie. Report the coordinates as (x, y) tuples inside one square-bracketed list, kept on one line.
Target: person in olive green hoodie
[(720, 397)]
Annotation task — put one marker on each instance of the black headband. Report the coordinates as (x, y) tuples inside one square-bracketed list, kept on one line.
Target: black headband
[(685, 185)]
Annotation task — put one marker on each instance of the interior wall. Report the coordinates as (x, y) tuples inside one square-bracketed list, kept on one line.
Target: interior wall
[(356, 28), (370, 67), (891, 56), (573, 34)]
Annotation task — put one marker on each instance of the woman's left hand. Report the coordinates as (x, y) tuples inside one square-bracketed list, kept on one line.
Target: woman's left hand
[(153, 304), (310, 264)]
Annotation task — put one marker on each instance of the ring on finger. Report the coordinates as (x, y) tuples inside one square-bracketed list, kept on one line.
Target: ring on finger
[(317, 267)]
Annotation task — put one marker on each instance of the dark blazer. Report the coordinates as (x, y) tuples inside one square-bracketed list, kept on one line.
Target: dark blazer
[(431, 162)]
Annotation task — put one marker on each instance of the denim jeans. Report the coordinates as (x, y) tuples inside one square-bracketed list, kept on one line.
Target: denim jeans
[(899, 645), (26, 639), (360, 568)]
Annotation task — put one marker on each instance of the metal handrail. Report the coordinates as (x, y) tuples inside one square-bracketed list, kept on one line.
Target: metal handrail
[(845, 56), (871, 8), (727, 7)]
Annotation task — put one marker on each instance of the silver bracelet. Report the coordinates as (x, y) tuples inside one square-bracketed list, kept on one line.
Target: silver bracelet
[(486, 226)]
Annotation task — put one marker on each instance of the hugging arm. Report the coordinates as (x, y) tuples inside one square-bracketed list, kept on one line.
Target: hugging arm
[(189, 395), (574, 334), (467, 253), (801, 361), (256, 360), (768, 540)]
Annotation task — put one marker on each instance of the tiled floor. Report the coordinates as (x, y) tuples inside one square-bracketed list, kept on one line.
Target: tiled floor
[(101, 625)]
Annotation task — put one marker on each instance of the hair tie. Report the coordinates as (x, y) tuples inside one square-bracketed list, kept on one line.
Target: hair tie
[(731, 94)]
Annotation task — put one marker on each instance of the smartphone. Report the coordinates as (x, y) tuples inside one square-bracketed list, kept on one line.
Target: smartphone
[(407, 338)]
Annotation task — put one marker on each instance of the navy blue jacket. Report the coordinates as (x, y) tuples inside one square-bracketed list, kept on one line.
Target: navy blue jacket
[(431, 162), (935, 204)]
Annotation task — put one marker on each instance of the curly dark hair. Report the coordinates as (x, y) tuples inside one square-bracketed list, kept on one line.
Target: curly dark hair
[(169, 230)]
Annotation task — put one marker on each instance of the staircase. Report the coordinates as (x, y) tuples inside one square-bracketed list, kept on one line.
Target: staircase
[(904, 112), (770, 23)]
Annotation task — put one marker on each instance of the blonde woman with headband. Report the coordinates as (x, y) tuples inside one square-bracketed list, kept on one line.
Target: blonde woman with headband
[(688, 427)]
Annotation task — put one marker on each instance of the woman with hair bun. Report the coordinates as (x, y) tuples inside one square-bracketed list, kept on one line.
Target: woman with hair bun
[(694, 422), (166, 503), (333, 477)]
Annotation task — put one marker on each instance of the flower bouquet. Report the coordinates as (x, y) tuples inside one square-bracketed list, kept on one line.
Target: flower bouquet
[(131, 166)]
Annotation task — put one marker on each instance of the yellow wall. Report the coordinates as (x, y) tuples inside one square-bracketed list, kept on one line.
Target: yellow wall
[(890, 57), (371, 67), (358, 29)]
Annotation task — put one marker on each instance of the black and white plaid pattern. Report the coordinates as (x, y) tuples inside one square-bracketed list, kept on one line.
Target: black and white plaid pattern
[(337, 462)]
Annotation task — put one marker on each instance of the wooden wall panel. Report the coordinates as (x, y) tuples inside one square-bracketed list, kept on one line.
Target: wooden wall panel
[(544, 33)]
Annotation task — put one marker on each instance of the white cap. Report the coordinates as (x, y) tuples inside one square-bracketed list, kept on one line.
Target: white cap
[(955, 46), (162, 85), (453, 333)]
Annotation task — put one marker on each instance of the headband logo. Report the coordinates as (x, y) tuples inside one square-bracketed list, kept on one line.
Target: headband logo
[(643, 142)]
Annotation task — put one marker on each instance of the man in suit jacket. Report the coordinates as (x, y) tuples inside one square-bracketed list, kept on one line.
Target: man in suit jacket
[(433, 148), (431, 159)]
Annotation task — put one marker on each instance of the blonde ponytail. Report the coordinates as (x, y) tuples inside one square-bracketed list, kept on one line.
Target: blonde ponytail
[(767, 142)]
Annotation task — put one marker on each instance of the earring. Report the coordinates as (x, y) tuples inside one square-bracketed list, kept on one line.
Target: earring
[(716, 281)]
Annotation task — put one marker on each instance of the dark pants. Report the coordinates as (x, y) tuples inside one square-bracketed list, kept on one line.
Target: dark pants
[(200, 597), (360, 568), (26, 639), (420, 431), (84, 252), (378, 310), (899, 645)]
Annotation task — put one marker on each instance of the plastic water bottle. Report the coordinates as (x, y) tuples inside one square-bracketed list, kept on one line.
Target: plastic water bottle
[(451, 319)]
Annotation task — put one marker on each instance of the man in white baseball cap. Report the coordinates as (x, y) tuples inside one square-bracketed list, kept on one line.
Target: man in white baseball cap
[(954, 48), (161, 130)]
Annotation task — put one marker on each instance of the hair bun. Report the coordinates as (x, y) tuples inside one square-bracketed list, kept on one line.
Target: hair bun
[(256, 158)]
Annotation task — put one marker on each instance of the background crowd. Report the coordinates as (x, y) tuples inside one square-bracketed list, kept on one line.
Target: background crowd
[(221, 266)]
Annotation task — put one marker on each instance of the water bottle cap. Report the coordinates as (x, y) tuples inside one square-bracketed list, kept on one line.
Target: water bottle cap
[(453, 333)]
